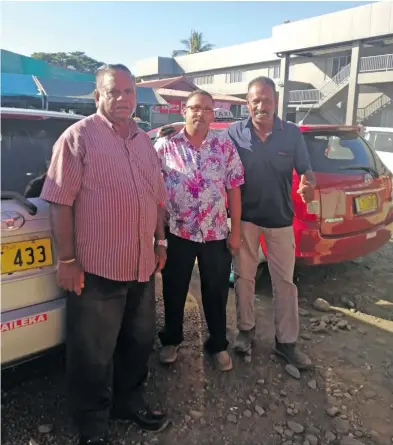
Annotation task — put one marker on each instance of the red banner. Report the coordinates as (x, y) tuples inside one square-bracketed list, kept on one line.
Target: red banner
[(173, 108)]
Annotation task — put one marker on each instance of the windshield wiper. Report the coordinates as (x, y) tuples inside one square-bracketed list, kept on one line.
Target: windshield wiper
[(29, 206), (366, 168)]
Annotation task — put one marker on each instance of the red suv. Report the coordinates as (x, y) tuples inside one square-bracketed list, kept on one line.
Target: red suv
[(352, 211)]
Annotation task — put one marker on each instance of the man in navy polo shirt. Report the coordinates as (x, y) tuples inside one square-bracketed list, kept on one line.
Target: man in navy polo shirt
[(269, 149)]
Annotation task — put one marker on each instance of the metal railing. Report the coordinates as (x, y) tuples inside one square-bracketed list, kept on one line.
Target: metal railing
[(376, 63), (316, 95), (379, 102), (335, 82), (305, 96)]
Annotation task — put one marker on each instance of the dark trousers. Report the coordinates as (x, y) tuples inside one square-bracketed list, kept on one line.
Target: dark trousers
[(214, 262), (110, 335)]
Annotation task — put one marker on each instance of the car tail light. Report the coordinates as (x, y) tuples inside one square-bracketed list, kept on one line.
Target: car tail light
[(389, 188), (305, 212)]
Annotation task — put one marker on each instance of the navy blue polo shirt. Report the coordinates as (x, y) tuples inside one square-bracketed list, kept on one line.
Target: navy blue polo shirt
[(268, 169)]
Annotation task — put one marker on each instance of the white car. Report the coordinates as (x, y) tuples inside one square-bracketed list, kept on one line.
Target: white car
[(32, 306), (381, 140)]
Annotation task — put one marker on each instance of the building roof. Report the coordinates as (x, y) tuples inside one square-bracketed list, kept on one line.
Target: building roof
[(184, 94), (17, 64), (18, 85), (175, 83)]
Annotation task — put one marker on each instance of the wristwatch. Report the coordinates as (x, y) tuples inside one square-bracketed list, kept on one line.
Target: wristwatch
[(162, 242)]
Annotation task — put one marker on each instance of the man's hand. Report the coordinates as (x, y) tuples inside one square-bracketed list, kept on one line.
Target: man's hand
[(71, 277), (233, 243), (306, 190), (160, 252)]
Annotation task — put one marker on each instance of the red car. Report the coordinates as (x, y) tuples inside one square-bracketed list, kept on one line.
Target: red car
[(352, 211)]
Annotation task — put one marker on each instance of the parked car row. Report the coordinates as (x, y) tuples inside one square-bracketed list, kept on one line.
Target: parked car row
[(351, 215)]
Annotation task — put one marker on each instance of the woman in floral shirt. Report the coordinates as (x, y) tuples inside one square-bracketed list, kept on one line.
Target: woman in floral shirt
[(200, 169)]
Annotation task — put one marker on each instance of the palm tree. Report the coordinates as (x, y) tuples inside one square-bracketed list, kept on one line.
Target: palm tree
[(194, 44)]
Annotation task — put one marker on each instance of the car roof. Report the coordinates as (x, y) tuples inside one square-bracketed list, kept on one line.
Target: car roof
[(39, 113), (303, 128), (378, 129)]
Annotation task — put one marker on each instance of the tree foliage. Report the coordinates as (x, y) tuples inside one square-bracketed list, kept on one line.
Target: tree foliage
[(194, 44), (76, 60)]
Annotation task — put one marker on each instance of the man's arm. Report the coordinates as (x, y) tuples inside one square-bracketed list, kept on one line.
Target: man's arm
[(162, 214), (235, 209), (160, 227), (308, 178), (62, 221), (234, 179), (61, 187), (302, 160), (162, 196)]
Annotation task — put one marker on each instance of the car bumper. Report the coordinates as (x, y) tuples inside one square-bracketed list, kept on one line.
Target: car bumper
[(313, 249), (31, 331)]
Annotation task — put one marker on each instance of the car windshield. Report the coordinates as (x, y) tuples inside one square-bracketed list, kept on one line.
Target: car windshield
[(339, 152), (26, 148)]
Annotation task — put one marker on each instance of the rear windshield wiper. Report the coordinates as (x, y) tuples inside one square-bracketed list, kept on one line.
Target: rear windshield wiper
[(366, 168), (29, 206)]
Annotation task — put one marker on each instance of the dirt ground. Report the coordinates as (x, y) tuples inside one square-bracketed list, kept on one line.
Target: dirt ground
[(347, 399)]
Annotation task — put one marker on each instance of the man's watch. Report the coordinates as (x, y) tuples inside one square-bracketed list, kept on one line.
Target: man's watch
[(162, 242)]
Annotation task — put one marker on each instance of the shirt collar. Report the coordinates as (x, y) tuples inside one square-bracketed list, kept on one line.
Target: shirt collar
[(182, 135), (133, 126), (277, 123)]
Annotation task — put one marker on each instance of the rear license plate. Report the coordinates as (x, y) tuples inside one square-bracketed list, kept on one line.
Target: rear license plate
[(26, 255), (366, 203)]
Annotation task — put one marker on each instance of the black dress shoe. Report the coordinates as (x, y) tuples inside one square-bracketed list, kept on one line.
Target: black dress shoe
[(146, 419), (292, 355), (98, 440)]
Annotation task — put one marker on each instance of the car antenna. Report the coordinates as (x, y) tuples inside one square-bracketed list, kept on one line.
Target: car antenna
[(308, 112)]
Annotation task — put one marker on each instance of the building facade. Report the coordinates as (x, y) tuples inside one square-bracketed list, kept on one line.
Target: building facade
[(334, 68)]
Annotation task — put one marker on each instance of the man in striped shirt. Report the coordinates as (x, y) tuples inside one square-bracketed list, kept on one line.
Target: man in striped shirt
[(105, 188)]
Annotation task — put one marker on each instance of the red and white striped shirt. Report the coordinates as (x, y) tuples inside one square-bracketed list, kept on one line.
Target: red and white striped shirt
[(115, 186)]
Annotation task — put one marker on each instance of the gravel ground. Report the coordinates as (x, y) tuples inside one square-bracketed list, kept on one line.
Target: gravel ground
[(346, 400)]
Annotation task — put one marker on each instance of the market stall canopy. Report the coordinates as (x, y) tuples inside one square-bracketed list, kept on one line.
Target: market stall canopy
[(19, 85), (62, 91)]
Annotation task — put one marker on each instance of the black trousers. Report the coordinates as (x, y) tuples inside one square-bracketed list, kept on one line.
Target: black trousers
[(214, 261), (110, 335)]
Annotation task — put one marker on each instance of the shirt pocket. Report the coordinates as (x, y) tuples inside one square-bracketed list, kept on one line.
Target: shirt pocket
[(283, 161)]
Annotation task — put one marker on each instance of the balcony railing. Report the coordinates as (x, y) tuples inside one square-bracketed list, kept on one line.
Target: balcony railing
[(376, 63), (367, 64)]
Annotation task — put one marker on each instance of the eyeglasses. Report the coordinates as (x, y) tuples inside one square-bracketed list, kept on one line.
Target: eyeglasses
[(197, 110)]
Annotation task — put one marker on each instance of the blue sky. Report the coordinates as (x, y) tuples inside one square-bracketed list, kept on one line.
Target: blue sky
[(124, 32)]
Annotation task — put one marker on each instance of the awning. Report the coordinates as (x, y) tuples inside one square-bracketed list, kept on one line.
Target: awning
[(65, 91), (18, 85), (62, 91), (147, 96)]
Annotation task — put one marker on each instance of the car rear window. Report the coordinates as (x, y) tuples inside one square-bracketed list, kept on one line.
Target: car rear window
[(26, 148), (333, 152)]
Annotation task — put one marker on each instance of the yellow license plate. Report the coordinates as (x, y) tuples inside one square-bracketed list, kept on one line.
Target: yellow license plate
[(366, 203), (26, 255)]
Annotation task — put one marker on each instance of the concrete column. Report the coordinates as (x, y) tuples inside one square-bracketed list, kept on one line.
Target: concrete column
[(353, 86), (284, 90)]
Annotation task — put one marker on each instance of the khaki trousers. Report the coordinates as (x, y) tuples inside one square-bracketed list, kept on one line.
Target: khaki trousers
[(280, 245)]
